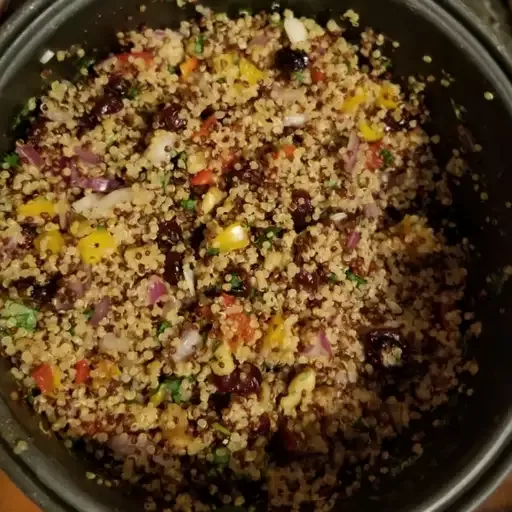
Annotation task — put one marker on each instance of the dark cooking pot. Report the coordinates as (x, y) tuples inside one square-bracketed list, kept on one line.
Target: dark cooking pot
[(464, 460)]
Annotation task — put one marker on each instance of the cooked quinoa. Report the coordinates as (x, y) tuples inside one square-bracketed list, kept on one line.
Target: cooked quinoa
[(215, 264)]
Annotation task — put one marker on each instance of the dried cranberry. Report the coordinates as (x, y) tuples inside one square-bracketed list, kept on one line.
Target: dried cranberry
[(244, 380), (44, 293), (207, 112), (302, 210), (168, 118), (86, 123), (169, 233), (289, 60), (117, 86), (29, 234), (172, 267), (307, 280), (264, 424), (402, 124), (107, 105), (385, 348), (243, 173)]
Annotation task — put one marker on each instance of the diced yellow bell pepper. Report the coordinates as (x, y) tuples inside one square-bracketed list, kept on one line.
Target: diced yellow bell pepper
[(81, 228), (350, 105), (94, 247), (370, 133), (226, 65), (49, 241), (211, 199), (276, 333), (56, 377), (188, 66), (36, 207), (108, 369), (158, 397), (249, 72), (235, 236), (387, 98)]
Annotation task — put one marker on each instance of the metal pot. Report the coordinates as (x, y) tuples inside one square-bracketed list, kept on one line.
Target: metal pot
[(464, 460)]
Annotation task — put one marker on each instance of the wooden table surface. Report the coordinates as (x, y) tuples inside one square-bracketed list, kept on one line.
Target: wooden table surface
[(12, 500)]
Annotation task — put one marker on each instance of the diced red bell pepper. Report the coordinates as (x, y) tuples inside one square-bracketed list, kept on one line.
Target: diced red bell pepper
[(83, 371), (204, 177), (206, 127), (228, 300), (317, 76), (288, 150), (244, 330), (124, 58), (374, 160), (43, 377)]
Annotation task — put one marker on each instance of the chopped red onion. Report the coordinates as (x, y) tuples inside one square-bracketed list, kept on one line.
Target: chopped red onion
[(30, 154), (87, 156), (352, 150), (100, 311), (353, 239), (95, 184), (190, 340), (321, 348), (371, 211), (156, 290), (188, 274)]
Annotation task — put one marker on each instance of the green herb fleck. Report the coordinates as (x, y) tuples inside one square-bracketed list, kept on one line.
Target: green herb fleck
[(212, 251), (189, 204), (215, 345), (163, 327), (221, 456), (199, 46), (24, 317), (11, 160), (299, 76), (387, 63), (221, 80), (100, 227), (86, 62), (245, 12), (221, 428), (268, 235), (132, 93), (387, 156), (355, 278), (72, 331), (235, 281), (164, 181), (173, 388), (333, 278), (88, 313), (24, 114), (171, 69)]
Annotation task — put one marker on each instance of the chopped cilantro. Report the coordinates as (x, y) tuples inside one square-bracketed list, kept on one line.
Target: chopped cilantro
[(333, 278), (164, 181), (171, 69), (100, 227), (189, 204), (199, 45), (221, 428), (172, 387), (221, 456), (269, 234), (235, 281), (212, 251), (355, 278), (132, 93), (24, 317), (88, 313), (216, 344), (24, 114), (387, 156), (86, 62), (163, 326), (299, 76), (331, 184), (11, 160)]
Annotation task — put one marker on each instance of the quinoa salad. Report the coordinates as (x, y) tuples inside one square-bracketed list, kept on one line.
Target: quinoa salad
[(215, 269)]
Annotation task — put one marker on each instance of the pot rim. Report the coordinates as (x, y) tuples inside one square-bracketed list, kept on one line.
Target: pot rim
[(30, 470)]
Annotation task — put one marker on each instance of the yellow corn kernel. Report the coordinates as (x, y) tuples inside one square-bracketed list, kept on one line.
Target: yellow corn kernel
[(37, 207), (96, 246), (225, 65), (56, 377), (223, 363), (158, 397), (370, 133), (108, 369), (350, 105), (387, 98), (211, 199), (276, 333), (249, 72), (235, 236), (49, 241), (302, 384)]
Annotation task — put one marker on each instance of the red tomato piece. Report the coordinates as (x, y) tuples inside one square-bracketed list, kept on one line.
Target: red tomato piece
[(288, 150), (228, 300), (374, 160), (43, 377), (206, 127), (82, 371), (204, 177), (317, 76), (124, 58)]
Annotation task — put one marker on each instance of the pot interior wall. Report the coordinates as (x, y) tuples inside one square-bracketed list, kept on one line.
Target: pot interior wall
[(473, 423)]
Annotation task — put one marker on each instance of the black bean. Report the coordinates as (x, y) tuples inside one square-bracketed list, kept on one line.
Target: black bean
[(169, 233), (302, 210), (168, 118), (29, 234), (86, 123), (197, 238), (117, 86), (44, 293), (307, 280), (385, 348), (243, 173), (244, 380), (207, 112), (289, 60), (107, 105), (172, 267)]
